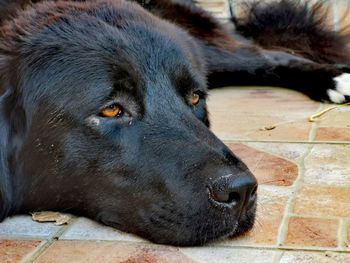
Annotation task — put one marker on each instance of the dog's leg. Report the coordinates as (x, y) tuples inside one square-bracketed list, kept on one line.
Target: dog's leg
[(232, 62), (254, 66)]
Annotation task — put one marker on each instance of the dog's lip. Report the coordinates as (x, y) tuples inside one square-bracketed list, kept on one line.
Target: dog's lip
[(219, 224), (232, 232)]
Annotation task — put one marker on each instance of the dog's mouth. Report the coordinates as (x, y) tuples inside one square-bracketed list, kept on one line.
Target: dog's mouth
[(185, 218), (164, 225)]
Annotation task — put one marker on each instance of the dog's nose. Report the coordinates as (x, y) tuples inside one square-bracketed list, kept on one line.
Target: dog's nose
[(234, 191)]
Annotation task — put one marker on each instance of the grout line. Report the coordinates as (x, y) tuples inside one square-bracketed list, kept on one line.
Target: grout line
[(49, 242), (212, 246), (277, 257), (70, 224), (311, 138), (316, 216), (233, 6), (343, 241), (314, 126), (285, 248), (283, 229), (30, 255), (40, 251), (335, 15), (24, 237), (286, 142)]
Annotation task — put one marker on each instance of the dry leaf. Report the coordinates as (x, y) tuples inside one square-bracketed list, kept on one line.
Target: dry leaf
[(268, 128), (316, 117), (47, 216)]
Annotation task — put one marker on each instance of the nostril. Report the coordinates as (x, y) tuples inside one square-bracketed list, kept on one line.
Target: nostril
[(234, 191), (218, 196), (231, 198), (234, 198)]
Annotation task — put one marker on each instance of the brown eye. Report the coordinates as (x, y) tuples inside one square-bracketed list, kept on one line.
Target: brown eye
[(112, 111), (195, 99)]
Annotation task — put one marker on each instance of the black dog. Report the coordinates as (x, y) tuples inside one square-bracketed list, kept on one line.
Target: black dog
[(103, 113)]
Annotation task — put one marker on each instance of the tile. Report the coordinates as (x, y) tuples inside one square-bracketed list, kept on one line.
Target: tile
[(343, 18), (17, 250), (333, 134), (244, 127), (296, 130), (240, 113), (25, 227), (339, 118), (100, 251), (276, 101), (86, 251), (225, 255), (347, 234), (312, 257), (326, 11), (218, 8), (272, 202), (328, 165), (312, 232), (160, 254), (289, 151), (268, 169), (323, 201), (334, 125), (86, 229)]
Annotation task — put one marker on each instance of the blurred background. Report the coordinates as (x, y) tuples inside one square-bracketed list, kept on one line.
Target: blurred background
[(224, 9)]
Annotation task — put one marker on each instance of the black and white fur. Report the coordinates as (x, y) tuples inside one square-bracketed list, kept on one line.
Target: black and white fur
[(155, 169)]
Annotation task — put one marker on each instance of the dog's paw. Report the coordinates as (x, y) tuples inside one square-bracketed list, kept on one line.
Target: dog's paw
[(341, 92)]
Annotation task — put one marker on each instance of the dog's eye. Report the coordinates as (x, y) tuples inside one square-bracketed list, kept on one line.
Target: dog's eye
[(112, 111), (195, 99)]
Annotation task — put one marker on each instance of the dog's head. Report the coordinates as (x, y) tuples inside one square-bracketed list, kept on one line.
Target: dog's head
[(103, 113)]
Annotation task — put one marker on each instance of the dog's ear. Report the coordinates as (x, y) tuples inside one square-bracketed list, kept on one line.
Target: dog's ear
[(13, 126), (6, 185), (12, 129)]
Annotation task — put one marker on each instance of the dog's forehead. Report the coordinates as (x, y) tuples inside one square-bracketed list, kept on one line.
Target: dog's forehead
[(81, 53), (104, 56), (101, 30)]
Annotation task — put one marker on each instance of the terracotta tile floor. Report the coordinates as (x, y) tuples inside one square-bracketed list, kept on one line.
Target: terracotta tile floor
[(304, 197)]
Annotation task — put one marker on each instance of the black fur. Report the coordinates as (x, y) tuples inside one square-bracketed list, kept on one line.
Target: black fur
[(156, 169), (301, 28)]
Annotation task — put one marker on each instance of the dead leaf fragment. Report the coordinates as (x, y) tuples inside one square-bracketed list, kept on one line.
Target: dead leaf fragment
[(316, 117), (268, 128), (47, 216)]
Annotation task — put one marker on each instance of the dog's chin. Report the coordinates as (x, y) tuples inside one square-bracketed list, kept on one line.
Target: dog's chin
[(196, 234), (185, 231), (185, 236)]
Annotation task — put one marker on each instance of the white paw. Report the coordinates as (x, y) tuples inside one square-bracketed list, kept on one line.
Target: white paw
[(342, 88), (335, 96)]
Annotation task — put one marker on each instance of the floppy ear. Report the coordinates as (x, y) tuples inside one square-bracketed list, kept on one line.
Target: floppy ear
[(6, 185), (13, 126)]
